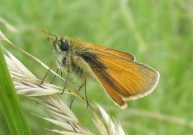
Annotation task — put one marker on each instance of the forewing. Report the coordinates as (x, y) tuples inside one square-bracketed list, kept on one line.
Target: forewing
[(122, 78), (109, 51)]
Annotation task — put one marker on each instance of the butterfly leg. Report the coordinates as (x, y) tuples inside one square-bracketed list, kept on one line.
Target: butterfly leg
[(68, 72), (80, 87), (54, 77), (86, 94), (47, 73)]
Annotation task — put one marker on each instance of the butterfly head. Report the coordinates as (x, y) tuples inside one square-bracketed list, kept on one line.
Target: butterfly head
[(60, 45)]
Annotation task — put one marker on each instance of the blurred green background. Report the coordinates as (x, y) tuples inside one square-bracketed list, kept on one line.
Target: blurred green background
[(158, 33)]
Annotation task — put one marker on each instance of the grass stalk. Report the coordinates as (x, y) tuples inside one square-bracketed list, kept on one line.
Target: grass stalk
[(10, 103)]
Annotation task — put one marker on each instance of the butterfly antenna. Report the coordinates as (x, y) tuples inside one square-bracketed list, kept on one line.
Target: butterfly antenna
[(45, 31)]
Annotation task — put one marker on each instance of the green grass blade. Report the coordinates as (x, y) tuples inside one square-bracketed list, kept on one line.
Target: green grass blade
[(10, 102)]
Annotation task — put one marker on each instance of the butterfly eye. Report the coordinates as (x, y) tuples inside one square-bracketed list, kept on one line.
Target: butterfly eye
[(64, 46)]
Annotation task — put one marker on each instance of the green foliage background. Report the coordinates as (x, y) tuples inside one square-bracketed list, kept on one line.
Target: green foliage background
[(158, 33)]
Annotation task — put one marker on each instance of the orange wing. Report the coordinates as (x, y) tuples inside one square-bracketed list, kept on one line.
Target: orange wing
[(122, 78), (108, 50)]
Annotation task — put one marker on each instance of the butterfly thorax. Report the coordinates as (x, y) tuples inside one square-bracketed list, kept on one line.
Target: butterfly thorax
[(68, 57)]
